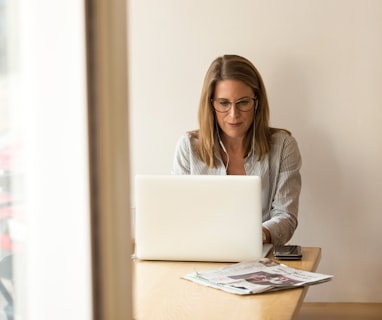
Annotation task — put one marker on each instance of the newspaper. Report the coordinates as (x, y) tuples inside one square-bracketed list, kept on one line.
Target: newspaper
[(257, 276)]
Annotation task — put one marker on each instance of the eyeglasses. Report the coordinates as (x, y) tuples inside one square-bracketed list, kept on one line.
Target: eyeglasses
[(224, 105)]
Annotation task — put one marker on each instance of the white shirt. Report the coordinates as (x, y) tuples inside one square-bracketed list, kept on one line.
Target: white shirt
[(280, 179)]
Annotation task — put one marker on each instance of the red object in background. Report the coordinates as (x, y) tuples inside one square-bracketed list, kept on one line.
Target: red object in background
[(6, 242), (10, 207)]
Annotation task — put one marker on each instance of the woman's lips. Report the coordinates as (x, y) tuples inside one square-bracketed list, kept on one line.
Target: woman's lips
[(234, 124)]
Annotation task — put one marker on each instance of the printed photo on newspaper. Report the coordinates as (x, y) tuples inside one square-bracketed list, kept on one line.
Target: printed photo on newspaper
[(257, 276)]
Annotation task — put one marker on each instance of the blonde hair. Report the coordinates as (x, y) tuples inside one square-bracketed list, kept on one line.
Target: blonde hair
[(232, 67)]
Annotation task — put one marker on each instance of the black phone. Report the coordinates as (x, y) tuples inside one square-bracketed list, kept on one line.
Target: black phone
[(287, 252)]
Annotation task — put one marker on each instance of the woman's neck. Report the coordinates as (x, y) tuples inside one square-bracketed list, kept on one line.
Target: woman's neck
[(233, 154), (234, 146)]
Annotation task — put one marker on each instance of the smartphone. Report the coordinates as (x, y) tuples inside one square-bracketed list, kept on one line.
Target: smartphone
[(287, 252)]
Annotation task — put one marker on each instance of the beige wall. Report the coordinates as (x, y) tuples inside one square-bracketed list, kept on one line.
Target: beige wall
[(321, 63)]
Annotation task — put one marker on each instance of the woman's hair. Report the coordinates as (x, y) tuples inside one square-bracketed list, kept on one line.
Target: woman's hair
[(232, 67)]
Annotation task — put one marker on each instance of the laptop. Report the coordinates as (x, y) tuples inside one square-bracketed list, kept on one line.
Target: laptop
[(198, 218)]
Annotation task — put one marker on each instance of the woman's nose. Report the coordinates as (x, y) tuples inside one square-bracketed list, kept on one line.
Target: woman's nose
[(234, 111)]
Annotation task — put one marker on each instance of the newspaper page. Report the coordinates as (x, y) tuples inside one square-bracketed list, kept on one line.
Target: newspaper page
[(258, 276)]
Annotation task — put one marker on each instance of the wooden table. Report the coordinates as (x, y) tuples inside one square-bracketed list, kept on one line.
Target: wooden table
[(160, 293)]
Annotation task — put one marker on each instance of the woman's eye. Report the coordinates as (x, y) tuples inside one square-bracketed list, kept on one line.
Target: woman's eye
[(242, 103), (224, 103)]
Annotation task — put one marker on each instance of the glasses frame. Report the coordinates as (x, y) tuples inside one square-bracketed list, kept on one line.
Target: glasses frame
[(231, 103)]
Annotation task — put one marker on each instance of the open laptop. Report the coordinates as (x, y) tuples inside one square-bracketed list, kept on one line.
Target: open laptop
[(198, 218)]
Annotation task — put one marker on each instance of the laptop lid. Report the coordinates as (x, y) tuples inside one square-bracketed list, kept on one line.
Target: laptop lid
[(198, 218)]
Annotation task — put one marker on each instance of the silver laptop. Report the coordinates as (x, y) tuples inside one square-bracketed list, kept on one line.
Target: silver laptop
[(198, 218)]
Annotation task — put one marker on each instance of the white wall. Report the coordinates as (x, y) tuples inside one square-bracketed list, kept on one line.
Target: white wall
[(321, 63)]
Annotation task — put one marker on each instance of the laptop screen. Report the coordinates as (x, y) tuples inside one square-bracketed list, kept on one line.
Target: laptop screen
[(198, 218)]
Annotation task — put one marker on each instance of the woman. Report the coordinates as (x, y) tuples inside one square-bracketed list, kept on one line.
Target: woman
[(234, 138)]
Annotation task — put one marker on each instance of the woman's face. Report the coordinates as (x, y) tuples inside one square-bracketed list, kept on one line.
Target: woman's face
[(234, 123)]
